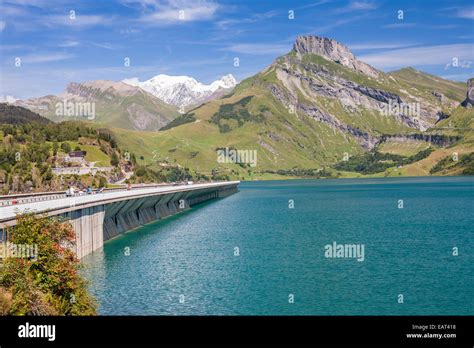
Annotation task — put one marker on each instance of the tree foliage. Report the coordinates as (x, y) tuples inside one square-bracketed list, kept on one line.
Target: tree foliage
[(376, 162), (50, 283)]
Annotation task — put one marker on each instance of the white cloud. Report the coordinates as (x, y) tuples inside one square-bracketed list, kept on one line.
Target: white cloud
[(380, 45), (104, 45), (399, 25), (78, 21), (419, 56), (465, 64), (258, 49), (3, 24), (175, 11), (38, 3), (13, 47), (45, 58), (335, 24), (69, 43), (467, 13), (10, 11), (314, 4), (223, 24), (358, 6)]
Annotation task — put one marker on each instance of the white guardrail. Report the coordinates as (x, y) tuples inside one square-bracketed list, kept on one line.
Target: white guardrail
[(24, 198)]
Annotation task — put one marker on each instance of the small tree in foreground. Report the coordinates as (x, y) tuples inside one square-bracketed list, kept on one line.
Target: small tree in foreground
[(50, 283)]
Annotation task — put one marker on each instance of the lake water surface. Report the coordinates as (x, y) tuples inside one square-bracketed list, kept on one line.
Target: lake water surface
[(251, 254)]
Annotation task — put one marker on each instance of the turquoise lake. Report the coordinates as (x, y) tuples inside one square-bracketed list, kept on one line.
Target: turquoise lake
[(251, 254)]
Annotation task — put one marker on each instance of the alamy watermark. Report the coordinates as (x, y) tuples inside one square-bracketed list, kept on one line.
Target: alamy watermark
[(335, 250), (25, 251), (394, 108), (228, 155), (75, 109)]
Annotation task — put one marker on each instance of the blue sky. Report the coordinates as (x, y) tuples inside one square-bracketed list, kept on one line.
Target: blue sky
[(56, 49)]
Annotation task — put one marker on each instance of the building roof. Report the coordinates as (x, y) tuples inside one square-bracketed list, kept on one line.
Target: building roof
[(77, 153)]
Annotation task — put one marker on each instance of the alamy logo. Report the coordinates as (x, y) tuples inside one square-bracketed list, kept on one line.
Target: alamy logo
[(37, 331), (394, 108), (25, 251), (335, 250), (75, 109), (227, 155)]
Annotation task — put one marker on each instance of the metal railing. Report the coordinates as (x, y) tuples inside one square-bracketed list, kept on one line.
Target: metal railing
[(24, 198)]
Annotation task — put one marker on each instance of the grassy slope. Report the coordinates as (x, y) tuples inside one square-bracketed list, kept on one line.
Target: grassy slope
[(114, 112), (427, 83), (461, 123), (422, 85), (407, 148), (111, 109), (285, 140), (404, 82), (94, 154)]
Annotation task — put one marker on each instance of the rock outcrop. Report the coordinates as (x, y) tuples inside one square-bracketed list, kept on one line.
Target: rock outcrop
[(469, 101), (332, 50)]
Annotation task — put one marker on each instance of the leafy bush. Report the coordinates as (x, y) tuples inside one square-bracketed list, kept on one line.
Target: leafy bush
[(376, 162), (466, 161), (50, 283), (66, 147)]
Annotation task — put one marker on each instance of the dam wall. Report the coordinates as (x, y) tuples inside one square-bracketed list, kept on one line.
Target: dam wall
[(97, 224), (98, 218)]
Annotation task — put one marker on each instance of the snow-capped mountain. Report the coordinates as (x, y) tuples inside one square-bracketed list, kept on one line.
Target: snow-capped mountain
[(115, 104), (7, 99), (184, 91)]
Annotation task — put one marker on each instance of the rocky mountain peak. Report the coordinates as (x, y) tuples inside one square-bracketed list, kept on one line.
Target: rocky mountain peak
[(115, 87), (332, 50), (322, 46)]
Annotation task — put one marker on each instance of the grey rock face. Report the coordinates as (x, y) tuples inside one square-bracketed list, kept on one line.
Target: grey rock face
[(469, 101), (436, 139), (366, 140), (320, 82), (439, 96), (332, 50)]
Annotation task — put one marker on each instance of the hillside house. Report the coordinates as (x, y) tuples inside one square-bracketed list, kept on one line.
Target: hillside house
[(76, 157)]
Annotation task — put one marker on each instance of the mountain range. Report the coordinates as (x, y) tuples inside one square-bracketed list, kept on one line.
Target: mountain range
[(116, 104), (310, 109), (184, 91)]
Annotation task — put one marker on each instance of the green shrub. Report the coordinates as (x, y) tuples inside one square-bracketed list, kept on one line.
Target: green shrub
[(50, 283)]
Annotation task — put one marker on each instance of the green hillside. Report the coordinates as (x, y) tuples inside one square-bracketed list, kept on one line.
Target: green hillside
[(304, 114), (10, 114), (314, 112), (29, 152), (430, 83), (115, 105)]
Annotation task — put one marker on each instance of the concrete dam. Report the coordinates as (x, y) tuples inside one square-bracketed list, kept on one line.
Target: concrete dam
[(99, 217)]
